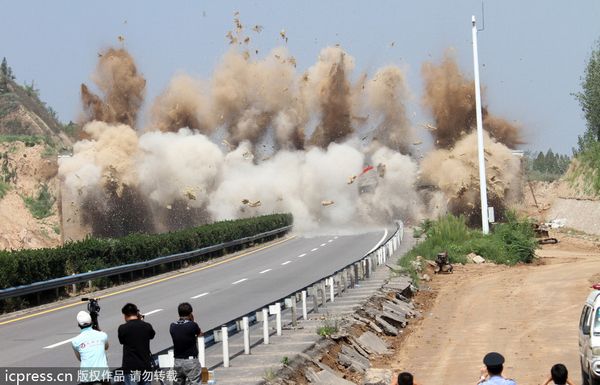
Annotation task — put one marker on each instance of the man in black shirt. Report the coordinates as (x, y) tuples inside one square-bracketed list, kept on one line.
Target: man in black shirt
[(185, 334), (135, 336)]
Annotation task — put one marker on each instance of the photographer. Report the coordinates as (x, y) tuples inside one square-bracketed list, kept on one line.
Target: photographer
[(185, 334), (90, 348), (135, 336)]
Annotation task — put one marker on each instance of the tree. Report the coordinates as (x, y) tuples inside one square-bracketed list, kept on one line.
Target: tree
[(4, 67), (589, 97)]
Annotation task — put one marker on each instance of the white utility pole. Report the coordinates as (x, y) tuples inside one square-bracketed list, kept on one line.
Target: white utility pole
[(485, 225)]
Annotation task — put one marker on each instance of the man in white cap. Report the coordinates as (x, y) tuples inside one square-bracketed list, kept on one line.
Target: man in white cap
[(90, 348)]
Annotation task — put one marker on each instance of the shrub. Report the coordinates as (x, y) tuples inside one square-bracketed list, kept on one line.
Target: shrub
[(27, 266), (508, 243), (4, 187), (40, 206)]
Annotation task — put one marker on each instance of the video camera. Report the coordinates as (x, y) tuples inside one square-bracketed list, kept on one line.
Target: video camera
[(94, 309)]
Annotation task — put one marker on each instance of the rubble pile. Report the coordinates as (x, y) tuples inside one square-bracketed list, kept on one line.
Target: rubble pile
[(344, 357)]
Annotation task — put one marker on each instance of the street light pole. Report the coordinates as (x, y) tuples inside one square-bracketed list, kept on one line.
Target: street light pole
[(485, 225)]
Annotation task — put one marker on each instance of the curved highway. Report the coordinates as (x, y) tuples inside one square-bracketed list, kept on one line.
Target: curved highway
[(218, 292)]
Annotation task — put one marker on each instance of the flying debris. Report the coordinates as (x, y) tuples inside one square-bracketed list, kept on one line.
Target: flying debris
[(247, 155), (327, 203), (246, 40), (381, 170), (283, 35), (121, 39), (251, 204), (429, 126), (189, 194), (351, 179), (232, 39), (257, 28), (417, 143)]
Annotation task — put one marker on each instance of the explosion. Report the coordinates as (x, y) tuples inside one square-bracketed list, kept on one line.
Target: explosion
[(260, 137)]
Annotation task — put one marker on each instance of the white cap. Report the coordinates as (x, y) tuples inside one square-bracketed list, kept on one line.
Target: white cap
[(84, 318)]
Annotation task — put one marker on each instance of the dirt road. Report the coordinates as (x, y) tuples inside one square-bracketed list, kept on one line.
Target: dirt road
[(528, 313)]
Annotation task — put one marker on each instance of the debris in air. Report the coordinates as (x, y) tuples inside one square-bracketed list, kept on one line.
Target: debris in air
[(189, 194), (251, 204), (327, 203)]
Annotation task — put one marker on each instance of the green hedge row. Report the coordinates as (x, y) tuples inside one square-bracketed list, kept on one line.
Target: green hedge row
[(23, 267)]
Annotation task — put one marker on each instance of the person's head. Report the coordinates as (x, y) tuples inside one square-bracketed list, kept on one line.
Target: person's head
[(130, 311), (84, 319), (559, 374), (494, 362), (405, 378), (184, 309)]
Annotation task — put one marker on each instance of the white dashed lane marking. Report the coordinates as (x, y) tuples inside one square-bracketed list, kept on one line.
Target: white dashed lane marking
[(301, 255), (315, 249), (58, 344), (285, 263), (152, 312), (264, 271), (239, 281), (199, 295), (323, 244)]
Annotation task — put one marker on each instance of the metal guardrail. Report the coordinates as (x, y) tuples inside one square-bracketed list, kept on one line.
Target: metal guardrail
[(240, 323), (111, 271)]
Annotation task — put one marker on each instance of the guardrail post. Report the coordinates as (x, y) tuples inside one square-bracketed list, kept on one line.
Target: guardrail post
[(323, 293), (90, 281), (331, 290), (74, 287), (315, 300), (343, 276), (294, 317), (304, 312), (265, 325), (278, 317), (225, 336), (355, 274), (338, 284), (201, 354), (367, 268), (246, 327)]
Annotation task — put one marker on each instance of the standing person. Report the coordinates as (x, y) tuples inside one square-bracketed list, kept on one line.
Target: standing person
[(559, 375), (185, 333), (135, 336), (492, 373), (90, 348)]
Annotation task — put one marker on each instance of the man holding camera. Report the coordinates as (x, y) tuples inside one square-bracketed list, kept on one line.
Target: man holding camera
[(90, 348), (135, 336), (185, 334)]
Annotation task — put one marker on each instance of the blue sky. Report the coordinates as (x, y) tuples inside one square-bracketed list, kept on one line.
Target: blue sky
[(532, 53)]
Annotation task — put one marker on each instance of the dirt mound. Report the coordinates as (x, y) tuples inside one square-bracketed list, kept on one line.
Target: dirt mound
[(24, 171)]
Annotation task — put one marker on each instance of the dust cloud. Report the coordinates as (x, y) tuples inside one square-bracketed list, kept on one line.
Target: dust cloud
[(450, 96), (259, 136), (122, 86)]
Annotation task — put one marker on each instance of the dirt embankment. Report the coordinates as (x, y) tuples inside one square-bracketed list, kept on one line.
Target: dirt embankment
[(529, 313), (27, 168), (547, 201)]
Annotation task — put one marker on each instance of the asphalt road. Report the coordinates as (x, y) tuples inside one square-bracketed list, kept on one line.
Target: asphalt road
[(218, 293)]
